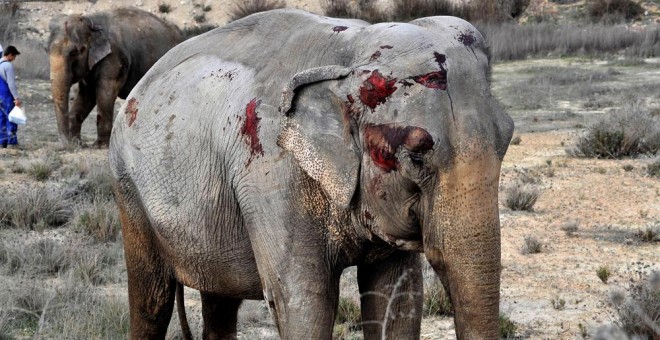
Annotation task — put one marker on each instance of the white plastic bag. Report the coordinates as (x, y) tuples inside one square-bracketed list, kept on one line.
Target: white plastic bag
[(17, 116)]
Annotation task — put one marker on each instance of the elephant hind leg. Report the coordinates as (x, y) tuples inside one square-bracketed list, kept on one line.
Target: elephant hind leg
[(220, 316), (151, 283)]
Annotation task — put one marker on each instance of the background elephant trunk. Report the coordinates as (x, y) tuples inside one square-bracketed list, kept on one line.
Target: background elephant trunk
[(462, 243), (60, 84)]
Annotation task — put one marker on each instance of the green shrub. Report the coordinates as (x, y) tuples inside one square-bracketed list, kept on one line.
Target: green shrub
[(627, 132), (603, 273), (244, 8), (611, 11), (507, 327), (436, 300)]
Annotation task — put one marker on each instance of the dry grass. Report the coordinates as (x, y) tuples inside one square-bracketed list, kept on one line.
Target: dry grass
[(520, 196), (509, 41), (35, 209)]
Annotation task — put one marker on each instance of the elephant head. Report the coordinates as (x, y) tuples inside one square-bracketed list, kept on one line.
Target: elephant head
[(75, 46), (409, 138)]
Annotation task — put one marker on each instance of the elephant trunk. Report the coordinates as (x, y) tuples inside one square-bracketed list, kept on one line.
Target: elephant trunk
[(60, 85), (462, 242)]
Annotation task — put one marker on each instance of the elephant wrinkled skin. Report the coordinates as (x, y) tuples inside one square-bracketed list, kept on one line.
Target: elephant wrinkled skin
[(106, 53), (259, 160)]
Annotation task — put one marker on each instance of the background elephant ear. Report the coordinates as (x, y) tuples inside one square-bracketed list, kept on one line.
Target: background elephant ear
[(314, 132), (99, 47)]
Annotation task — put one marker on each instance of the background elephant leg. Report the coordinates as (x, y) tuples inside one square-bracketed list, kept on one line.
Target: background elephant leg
[(391, 294), (151, 284), (220, 316), (82, 106), (107, 92)]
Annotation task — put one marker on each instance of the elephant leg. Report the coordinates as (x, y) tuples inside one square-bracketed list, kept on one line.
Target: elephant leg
[(151, 283), (107, 91), (220, 316), (82, 106), (391, 297)]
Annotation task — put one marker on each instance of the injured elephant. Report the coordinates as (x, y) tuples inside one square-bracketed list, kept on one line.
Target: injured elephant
[(259, 160)]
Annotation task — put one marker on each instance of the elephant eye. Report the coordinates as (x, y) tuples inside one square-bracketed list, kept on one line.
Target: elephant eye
[(74, 52)]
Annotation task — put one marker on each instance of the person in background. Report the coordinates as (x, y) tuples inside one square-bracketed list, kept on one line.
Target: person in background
[(8, 97)]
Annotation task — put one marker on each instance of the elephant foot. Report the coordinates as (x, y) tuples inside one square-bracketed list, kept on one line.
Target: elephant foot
[(99, 144)]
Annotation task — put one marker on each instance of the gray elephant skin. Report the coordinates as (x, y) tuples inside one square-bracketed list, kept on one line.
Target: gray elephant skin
[(259, 160), (106, 53)]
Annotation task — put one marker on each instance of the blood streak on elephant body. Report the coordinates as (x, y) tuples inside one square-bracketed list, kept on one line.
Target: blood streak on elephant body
[(250, 129), (131, 109)]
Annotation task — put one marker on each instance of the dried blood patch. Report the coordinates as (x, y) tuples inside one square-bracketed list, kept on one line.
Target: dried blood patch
[(250, 129), (338, 29), (374, 56), (433, 80), (131, 110), (467, 39), (383, 141), (376, 89)]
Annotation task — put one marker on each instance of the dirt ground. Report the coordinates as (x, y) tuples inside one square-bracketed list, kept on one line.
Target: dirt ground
[(607, 203)]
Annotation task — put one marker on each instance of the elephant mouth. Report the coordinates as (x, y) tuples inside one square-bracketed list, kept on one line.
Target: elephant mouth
[(407, 244)]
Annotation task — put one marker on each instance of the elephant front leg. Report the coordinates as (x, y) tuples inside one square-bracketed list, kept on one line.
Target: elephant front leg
[(305, 306), (107, 91), (391, 297), (82, 105)]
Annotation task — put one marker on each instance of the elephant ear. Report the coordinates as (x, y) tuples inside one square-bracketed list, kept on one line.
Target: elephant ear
[(99, 47), (313, 131)]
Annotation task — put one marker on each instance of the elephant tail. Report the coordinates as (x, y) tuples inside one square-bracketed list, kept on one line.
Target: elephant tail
[(181, 311)]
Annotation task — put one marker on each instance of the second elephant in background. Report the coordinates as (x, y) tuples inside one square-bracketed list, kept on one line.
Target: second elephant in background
[(106, 54)]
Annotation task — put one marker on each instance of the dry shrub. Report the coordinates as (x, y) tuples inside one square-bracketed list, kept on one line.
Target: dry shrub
[(520, 196), (407, 10), (100, 219), (436, 300), (611, 11), (245, 8), (348, 313), (35, 209), (653, 169), (338, 9), (627, 132), (531, 245), (639, 313), (196, 30), (8, 20)]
